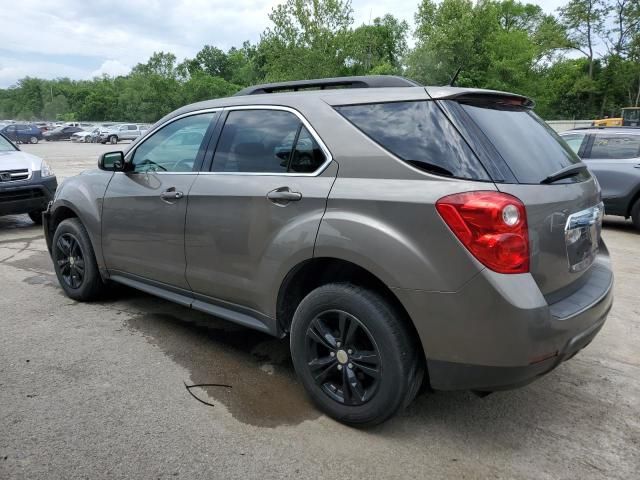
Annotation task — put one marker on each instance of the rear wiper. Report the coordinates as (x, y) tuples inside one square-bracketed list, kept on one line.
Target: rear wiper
[(566, 172)]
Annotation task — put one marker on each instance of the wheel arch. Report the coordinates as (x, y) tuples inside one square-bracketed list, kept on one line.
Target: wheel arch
[(64, 211), (315, 272)]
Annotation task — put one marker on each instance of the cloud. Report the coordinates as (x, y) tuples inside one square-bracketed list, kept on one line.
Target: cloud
[(113, 68)]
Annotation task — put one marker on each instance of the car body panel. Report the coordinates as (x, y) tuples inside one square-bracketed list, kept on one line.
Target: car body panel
[(141, 233), (240, 245), (83, 195)]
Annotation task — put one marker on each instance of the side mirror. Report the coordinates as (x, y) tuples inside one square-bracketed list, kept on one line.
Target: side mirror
[(111, 161)]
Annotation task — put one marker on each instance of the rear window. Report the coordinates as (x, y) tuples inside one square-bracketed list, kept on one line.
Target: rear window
[(419, 133), (615, 147), (530, 148)]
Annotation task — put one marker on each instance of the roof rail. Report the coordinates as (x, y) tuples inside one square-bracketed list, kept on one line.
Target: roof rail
[(369, 81)]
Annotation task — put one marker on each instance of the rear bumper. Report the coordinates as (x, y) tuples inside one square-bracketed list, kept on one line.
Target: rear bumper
[(499, 332), (460, 376), (25, 197)]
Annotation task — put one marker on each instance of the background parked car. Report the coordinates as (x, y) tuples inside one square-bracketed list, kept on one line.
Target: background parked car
[(613, 155), (61, 133), (27, 183), (127, 131), (86, 136), (22, 133)]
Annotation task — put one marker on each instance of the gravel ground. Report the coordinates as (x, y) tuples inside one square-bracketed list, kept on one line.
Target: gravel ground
[(98, 391)]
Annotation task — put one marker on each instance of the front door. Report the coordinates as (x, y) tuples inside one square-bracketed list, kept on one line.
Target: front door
[(144, 208), (257, 212)]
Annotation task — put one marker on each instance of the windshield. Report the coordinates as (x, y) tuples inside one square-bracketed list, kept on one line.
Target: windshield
[(530, 148), (5, 145)]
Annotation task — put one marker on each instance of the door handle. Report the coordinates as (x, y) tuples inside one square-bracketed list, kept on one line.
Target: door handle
[(283, 195), (636, 166), (171, 194)]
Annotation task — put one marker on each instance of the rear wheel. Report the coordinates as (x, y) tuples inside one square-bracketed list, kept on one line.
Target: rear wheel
[(354, 355), (635, 214), (74, 261)]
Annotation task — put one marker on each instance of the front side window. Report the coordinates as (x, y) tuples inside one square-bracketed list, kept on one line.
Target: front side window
[(615, 147), (266, 141), (173, 148)]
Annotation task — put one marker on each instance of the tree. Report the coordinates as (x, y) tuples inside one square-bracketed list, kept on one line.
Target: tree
[(584, 20), (307, 39), (378, 47), (55, 108)]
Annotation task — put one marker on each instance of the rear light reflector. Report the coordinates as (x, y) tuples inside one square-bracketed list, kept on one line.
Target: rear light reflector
[(492, 226)]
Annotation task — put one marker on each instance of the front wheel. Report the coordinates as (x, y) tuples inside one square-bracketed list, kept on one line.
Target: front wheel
[(354, 354), (33, 140), (113, 139), (74, 261)]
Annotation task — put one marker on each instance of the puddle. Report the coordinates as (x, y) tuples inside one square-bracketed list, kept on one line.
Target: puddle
[(264, 391), (39, 262)]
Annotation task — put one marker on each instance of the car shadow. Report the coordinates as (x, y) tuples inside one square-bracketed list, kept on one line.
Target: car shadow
[(619, 224)]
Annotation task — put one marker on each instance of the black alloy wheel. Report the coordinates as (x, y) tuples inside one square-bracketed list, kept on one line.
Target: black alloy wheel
[(70, 259), (343, 357)]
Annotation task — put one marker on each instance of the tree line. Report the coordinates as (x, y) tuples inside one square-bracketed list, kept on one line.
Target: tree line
[(582, 61)]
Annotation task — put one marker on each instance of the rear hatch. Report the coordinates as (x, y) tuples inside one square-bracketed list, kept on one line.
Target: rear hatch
[(527, 159)]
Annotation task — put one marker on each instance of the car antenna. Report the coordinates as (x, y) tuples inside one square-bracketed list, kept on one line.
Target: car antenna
[(452, 82)]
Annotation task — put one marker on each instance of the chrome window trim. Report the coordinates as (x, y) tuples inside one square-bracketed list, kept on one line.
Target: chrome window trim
[(327, 153), (305, 123)]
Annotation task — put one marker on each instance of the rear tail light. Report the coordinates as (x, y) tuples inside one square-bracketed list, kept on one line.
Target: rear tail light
[(492, 226)]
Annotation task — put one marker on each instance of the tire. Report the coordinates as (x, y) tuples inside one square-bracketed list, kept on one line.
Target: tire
[(113, 139), (635, 214), (87, 139), (383, 382), (36, 217), (33, 140), (71, 240)]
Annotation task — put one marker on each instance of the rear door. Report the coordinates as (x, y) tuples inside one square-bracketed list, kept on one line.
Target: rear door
[(529, 151), (614, 158), (144, 209), (256, 212)]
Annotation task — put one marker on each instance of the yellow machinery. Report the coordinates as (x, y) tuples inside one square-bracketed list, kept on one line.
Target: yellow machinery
[(630, 118)]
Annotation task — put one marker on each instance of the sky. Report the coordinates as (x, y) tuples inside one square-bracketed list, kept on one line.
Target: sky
[(81, 40)]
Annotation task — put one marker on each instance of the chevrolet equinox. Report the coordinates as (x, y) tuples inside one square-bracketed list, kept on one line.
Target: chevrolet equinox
[(400, 235)]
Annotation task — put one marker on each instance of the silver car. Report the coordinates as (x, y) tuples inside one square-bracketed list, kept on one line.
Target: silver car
[(116, 133), (400, 235)]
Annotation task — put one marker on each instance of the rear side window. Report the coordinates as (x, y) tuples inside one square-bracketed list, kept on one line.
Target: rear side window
[(266, 141), (612, 147), (418, 133), (530, 148)]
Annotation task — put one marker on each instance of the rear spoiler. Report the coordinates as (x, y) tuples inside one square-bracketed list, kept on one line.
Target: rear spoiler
[(478, 96)]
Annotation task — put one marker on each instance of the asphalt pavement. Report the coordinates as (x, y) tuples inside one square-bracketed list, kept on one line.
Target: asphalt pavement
[(98, 390)]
